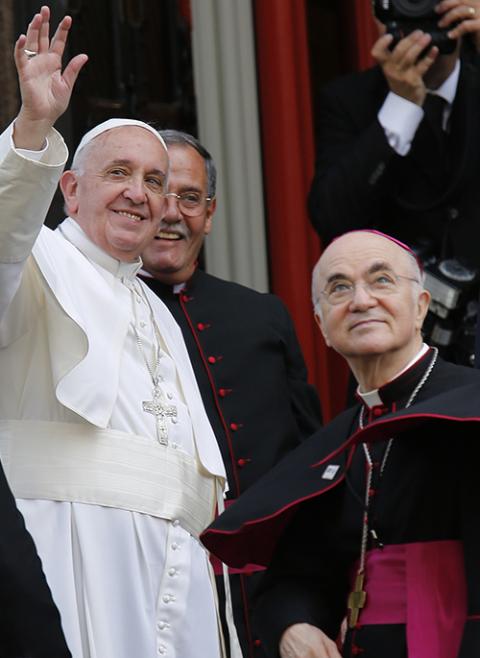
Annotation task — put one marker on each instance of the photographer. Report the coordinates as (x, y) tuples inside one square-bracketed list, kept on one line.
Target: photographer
[(392, 156)]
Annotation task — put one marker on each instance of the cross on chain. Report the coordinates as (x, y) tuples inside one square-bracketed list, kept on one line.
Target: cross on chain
[(161, 412), (356, 601)]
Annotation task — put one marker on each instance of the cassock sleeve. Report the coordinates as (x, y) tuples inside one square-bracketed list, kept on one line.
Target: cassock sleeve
[(29, 620), (305, 583), (351, 170)]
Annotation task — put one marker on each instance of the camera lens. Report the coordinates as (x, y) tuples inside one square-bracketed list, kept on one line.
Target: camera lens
[(414, 8), (455, 271)]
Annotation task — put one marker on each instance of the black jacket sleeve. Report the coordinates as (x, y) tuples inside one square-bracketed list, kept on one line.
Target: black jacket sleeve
[(353, 157), (29, 621)]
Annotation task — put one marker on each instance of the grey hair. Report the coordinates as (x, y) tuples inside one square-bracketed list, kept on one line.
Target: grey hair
[(417, 272), (80, 157), (78, 164), (179, 138)]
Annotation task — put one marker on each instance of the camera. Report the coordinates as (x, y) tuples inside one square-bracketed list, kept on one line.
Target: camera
[(450, 285), (452, 316), (401, 17)]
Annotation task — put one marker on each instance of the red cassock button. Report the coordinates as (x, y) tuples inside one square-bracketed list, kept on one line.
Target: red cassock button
[(211, 359), (379, 411), (234, 427), (257, 643), (242, 462), (200, 326)]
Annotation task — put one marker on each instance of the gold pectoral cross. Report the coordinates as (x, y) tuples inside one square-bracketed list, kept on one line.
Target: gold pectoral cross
[(161, 412), (356, 600)]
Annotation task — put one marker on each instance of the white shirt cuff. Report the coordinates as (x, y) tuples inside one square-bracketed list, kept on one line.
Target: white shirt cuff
[(31, 155), (400, 119), (26, 153)]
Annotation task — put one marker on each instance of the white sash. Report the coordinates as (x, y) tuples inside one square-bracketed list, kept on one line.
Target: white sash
[(81, 463)]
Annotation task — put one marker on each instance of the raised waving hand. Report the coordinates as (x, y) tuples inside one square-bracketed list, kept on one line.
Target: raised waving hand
[(45, 89)]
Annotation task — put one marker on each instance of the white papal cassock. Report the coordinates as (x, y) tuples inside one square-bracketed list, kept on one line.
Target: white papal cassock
[(114, 513)]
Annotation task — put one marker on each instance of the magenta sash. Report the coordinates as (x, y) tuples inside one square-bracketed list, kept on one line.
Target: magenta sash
[(423, 586)]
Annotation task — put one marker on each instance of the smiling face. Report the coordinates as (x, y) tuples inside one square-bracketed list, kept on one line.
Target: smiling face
[(370, 325), (117, 196), (172, 255)]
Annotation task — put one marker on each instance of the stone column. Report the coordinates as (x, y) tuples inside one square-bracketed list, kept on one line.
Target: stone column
[(227, 110)]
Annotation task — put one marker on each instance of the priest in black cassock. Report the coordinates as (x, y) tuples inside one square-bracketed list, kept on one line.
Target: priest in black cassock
[(376, 518), (242, 344)]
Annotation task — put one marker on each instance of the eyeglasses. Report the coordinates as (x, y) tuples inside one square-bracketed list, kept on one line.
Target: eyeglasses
[(190, 203), (376, 285)]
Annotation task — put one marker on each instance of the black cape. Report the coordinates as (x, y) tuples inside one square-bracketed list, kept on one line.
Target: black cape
[(306, 527)]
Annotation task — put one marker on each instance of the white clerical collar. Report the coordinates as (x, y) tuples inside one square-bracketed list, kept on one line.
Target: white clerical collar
[(372, 398), (177, 287), (448, 88), (74, 233)]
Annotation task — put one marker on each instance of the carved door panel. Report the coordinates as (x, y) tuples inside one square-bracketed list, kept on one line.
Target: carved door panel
[(140, 62)]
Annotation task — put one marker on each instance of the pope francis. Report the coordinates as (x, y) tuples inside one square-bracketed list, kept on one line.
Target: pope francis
[(103, 435)]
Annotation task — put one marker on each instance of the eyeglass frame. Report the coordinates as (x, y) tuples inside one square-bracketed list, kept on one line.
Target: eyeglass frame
[(368, 287), (178, 197)]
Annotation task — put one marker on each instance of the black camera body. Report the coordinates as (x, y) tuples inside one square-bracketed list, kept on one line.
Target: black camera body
[(452, 317), (401, 17)]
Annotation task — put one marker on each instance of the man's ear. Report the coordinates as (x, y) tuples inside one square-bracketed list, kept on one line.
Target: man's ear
[(212, 206), (422, 307), (318, 320), (69, 187)]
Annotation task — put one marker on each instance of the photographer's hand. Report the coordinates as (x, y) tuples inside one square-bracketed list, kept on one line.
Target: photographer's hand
[(464, 12), (403, 69)]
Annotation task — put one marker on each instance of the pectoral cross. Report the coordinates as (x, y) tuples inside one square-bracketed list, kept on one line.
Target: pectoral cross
[(356, 600), (161, 412)]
